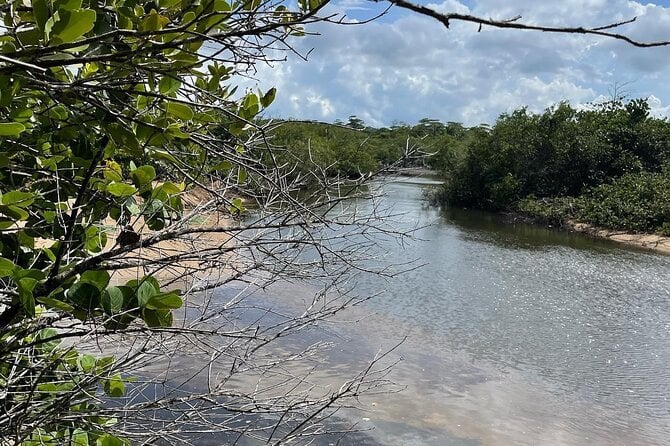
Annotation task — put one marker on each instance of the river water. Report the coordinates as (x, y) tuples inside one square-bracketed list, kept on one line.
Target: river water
[(516, 334), (513, 334)]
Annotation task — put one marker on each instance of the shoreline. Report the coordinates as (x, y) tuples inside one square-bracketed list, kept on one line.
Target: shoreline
[(653, 242), (645, 240)]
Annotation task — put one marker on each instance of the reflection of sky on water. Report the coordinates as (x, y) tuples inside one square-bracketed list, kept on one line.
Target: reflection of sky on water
[(515, 335), (567, 335)]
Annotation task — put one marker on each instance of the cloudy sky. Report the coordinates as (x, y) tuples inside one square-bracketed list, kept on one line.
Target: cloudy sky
[(403, 67)]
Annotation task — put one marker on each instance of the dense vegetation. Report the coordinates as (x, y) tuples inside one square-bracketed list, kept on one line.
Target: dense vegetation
[(353, 149), (607, 165)]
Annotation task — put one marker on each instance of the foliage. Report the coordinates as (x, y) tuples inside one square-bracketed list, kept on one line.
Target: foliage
[(355, 149), (111, 114), (601, 165), (636, 202)]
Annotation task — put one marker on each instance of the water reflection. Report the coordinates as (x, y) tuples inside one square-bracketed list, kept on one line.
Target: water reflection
[(516, 334), (547, 337)]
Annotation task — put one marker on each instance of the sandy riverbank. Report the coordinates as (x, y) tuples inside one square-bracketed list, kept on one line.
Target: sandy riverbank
[(653, 242)]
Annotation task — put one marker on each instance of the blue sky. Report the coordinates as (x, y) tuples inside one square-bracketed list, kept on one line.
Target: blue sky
[(404, 67)]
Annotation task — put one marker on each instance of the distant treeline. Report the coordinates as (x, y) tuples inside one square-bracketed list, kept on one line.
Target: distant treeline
[(608, 165), (353, 149)]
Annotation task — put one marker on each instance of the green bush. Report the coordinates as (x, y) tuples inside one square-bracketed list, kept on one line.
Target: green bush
[(562, 152), (636, 202), (603, 166)]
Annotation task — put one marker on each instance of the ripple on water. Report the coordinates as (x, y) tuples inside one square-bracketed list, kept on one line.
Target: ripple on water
[(589, 319)]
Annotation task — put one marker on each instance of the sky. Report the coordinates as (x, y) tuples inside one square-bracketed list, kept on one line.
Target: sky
[(404, 67)]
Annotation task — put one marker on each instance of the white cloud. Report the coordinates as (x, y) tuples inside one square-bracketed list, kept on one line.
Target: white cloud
[(405, 67), (447, 6), (657, 108)]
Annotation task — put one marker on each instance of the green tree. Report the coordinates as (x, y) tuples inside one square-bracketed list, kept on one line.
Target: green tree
[(128, 163)]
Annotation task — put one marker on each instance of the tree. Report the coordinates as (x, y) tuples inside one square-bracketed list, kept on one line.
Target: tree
[(355, 122), (131, 185), (113, 116)]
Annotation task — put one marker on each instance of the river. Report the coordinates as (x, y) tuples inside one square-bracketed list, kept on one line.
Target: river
[(513, 334), (516, 334)]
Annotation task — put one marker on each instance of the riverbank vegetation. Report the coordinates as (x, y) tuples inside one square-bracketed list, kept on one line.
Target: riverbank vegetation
[(353, 149), (607, 165)]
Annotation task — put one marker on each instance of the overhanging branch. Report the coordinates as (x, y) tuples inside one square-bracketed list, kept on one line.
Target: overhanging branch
[(603, 31)]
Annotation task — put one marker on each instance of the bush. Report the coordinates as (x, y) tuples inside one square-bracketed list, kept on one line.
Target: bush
[(562, 152), (636, 202)]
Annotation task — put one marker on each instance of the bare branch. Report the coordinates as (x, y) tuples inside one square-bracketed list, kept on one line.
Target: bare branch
[(446, 18)]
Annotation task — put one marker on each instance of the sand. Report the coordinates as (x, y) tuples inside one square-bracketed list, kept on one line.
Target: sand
[(653, 242)]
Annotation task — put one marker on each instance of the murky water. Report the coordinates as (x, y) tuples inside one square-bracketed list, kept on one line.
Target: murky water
[(517, 334)]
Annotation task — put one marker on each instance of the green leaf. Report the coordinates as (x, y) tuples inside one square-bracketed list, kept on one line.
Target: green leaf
[(55, 304), (98, 278), (11, 128), (241, 175), (167, 188), (251, 105), (31, 273), (188, 18), (169, 84), (86, 363), (236, 206), (143, 176), (59, 112), (4, 161), (120, 189), (162, 155), (222, 6), (48, 344), (104, 364), (40, 12), (223, 165), (50, 387), (164, 301), (79, 438), (84, 295), (72, 25), (178, 110), (112, 171), (14, 212), (268, 97), (124, 139), (115, 386), (18, 198), (95, 239), (21, 114), (113, 299), (25, 288), (145, 291), (157, 318), (6, 267), (154, 21)]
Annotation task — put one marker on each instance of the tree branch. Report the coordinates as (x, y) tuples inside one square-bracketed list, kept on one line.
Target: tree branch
[(446, 18)]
